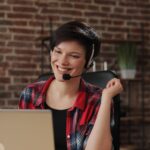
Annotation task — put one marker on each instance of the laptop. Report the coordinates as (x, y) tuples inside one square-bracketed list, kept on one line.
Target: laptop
[(26, 130)]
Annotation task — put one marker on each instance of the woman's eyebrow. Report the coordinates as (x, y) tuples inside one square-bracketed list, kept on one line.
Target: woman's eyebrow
[(57, 48), (76, 53)]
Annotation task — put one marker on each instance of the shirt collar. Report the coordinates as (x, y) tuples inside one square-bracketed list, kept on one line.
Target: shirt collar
[(42, 97), (46, 85), (81, 98)]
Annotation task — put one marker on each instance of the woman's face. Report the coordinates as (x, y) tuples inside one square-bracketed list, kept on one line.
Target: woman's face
[(68, 57)]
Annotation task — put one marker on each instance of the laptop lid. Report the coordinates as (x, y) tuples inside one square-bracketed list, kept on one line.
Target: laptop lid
[(26, 130)]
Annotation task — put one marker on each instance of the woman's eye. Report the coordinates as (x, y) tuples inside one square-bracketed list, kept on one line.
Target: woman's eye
[(75, 56), (57, 51)]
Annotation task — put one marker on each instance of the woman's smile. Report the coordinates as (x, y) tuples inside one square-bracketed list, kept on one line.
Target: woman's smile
[(63, 69), (68, 58)]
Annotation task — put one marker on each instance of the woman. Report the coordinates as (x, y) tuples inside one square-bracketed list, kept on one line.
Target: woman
[(81, 111)]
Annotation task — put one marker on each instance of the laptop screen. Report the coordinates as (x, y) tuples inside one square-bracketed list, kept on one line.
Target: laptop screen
[(26, 130)]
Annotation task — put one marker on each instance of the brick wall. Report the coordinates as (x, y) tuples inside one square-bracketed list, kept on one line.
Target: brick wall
[(20, 46)]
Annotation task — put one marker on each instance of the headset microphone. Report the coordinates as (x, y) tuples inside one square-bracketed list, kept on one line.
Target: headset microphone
[(68, 76)]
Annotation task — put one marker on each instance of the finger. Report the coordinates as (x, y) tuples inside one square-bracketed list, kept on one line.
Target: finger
[(111, 82)]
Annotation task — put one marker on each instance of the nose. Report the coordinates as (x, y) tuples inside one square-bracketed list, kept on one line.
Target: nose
[(63, 60)]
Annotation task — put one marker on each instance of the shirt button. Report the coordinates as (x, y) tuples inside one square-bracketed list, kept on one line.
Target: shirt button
[(68, 136)]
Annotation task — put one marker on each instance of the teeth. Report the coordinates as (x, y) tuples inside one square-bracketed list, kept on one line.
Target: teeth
[(62, 69)]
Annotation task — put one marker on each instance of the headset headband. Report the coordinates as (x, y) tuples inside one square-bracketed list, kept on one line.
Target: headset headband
[(91, 58)]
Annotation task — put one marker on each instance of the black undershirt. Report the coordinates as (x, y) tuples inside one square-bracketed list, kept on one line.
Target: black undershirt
[(59, 124)]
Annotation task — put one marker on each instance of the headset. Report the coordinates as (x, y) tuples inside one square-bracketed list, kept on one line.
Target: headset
[(90, 62)]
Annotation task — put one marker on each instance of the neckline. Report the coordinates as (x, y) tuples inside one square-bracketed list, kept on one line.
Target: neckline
[(54, 109)]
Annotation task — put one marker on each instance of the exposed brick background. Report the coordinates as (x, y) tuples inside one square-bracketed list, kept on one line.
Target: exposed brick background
[(21, 23)]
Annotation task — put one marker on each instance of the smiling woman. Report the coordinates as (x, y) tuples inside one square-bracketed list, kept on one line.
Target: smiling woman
[(81, 111), (68, 58)]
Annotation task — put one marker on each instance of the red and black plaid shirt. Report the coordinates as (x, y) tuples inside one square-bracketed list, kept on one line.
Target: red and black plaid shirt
[(80, 117)]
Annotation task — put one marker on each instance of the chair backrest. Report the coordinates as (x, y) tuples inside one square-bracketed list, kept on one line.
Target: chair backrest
[(100, 78)]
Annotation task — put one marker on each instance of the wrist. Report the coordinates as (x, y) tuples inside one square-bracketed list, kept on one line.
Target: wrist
[(106, 98)]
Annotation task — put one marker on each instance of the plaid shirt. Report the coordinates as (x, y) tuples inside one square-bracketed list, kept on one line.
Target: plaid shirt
[(80, 117)]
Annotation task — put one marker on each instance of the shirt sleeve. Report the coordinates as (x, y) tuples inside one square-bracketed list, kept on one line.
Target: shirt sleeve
[(25, 98)]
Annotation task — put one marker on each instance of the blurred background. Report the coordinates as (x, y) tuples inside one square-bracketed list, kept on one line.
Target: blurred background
[(25, 28)]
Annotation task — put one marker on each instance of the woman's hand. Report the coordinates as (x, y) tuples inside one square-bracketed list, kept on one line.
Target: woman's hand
[(113, 88)]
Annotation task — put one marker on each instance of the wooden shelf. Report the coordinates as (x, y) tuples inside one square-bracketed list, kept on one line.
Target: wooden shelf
[(132, 80), (128, 147), (135, 119), (131, 118)]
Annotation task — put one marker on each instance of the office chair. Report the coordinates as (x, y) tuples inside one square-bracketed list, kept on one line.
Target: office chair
[(100, 78)]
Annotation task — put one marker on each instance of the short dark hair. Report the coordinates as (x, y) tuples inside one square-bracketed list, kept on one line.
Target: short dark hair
[(81, 33)]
